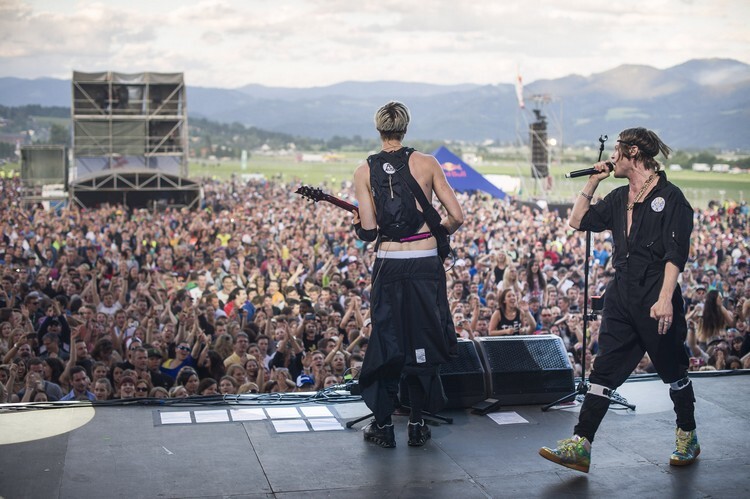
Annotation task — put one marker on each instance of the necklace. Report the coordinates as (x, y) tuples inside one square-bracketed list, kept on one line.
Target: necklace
[(640, 193), (391, 147)]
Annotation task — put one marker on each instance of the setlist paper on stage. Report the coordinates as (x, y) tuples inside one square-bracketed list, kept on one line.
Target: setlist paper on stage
[(508, 417)]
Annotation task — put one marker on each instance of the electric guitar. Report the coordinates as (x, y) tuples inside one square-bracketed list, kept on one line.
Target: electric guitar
[(315, 195), (441, 234)]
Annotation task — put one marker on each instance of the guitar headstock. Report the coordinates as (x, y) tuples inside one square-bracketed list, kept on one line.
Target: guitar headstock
[(311, 193)]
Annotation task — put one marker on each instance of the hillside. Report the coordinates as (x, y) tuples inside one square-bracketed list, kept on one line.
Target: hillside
[(697, 104)]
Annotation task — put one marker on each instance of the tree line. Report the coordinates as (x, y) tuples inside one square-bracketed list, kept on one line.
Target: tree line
[(228, 140)]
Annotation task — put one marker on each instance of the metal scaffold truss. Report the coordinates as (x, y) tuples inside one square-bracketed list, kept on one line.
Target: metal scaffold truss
[(540, 130), (109, 187), (130, 140)]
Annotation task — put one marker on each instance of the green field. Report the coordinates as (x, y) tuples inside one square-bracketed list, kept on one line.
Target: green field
[(699, 187)]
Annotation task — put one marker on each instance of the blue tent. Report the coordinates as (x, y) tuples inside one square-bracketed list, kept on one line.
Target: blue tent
[(462, 177)]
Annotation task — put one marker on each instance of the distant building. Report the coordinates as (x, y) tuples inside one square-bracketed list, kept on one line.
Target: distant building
[(720, 167)]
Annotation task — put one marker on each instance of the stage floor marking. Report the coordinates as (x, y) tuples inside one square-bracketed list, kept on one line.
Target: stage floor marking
[(36, 424), (283, 419)]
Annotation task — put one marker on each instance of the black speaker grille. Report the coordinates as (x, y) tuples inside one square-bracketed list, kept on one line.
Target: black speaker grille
[(463, 378), (526, 369), (531, 355), (466, 362)]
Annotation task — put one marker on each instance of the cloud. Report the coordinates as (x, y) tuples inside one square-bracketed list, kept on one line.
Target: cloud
[(317, 42)]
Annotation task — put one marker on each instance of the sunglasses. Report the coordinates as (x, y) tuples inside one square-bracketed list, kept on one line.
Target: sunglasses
[(184, 349), (141, 388)]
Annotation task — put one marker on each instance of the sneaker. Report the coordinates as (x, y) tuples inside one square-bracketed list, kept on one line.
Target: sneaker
[(419, 433), (381, 435), (573, 453), (687, 448)]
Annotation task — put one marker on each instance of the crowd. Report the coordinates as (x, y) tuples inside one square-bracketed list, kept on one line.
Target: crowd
[(258, 291)]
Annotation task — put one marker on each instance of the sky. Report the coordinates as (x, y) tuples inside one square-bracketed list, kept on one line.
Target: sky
[(308, 43)]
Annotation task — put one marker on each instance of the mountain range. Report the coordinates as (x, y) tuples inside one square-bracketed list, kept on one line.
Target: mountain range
[(701, 103)]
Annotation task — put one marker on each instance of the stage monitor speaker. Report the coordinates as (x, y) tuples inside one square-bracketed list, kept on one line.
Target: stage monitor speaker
[(526, 369), (463, 378)]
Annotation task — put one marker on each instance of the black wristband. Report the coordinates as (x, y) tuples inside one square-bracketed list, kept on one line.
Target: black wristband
[(365, 234)]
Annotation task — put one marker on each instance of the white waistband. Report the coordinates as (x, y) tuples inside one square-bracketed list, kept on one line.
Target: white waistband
[(401, 255)]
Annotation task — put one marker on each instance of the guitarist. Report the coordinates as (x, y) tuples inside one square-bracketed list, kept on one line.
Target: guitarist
[(412, 330)]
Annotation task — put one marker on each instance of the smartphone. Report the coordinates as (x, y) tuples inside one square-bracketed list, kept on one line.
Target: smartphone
[(310, 317)]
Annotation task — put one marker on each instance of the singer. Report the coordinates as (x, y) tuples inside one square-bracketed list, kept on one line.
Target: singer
[(412, 329), (651, 222)]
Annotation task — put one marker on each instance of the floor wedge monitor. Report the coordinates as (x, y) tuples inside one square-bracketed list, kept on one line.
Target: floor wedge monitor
[(526, 369), (463, 378)]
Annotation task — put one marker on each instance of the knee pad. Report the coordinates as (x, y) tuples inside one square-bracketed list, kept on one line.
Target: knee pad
[(679, 385), (600, 390)]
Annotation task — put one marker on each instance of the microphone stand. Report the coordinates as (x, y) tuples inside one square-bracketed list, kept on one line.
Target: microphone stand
[(583, 386)]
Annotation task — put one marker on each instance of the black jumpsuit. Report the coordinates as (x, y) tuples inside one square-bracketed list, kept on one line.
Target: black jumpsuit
[(660, 233)]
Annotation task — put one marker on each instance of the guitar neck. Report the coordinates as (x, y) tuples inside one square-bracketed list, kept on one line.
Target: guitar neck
[(314, 194), (340, 203)]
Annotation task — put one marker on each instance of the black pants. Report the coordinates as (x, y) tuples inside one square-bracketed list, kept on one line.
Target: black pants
[(627, 331), (412, 333)]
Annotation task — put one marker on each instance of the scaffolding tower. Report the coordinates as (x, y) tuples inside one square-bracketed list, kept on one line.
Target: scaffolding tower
[(545, 141), (130, 140), (129, 121)]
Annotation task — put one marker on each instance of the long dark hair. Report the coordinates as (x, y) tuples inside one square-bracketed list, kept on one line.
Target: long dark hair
[(57, 367), (713, 321), (102, 345), (184, 375), (537, 276), (216, 371), (649, 146)]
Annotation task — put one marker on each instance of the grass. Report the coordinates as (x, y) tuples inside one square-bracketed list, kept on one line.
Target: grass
[(51, 120), (285, 168), (699, 187)]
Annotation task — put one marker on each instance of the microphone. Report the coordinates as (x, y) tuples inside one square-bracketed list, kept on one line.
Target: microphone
[(589, 171)]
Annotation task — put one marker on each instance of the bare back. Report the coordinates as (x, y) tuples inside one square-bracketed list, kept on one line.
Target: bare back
[(431, 178)]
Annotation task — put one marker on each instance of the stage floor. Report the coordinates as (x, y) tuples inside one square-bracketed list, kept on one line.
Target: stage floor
[(305, 451)]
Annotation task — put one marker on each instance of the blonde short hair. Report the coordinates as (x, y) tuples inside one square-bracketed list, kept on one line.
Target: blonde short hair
[(392, 120)]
